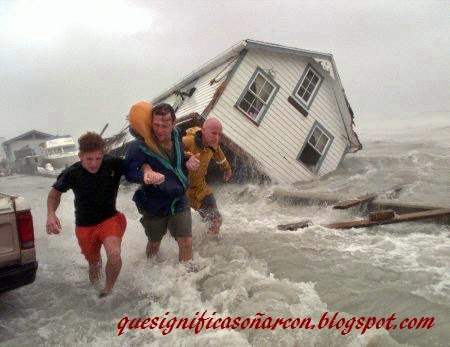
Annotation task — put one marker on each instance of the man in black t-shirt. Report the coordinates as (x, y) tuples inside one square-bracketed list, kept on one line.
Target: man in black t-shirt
[(95, 181)]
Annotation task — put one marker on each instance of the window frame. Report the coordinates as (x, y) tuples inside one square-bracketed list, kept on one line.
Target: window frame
[(261, 114), (296, 96), (318, 165)]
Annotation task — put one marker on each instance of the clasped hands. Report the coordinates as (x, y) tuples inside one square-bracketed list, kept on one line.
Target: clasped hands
[(153, 177)]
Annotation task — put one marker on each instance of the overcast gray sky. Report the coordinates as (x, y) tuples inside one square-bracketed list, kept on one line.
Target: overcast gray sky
[(71, 66)]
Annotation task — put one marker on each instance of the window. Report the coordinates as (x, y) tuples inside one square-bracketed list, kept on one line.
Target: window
[(54, 151), (257, 96), (69, 149), (315, 148), (308, 86)]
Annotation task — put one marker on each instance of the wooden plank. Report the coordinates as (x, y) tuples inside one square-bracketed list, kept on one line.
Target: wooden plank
[(294, 226), (390, 194), (104, 128), (397, 219), (343, 205), (381, 215)]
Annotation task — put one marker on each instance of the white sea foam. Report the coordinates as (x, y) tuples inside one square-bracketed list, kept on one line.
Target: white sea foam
[(254, 267)]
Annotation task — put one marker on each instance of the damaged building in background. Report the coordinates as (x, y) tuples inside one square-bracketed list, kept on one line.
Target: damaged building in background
[(284, 111)]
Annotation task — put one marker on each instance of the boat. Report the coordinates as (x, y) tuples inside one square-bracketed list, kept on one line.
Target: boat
[(59, 152)]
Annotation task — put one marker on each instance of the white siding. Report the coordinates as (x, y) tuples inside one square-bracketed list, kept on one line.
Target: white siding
[(277, 141)]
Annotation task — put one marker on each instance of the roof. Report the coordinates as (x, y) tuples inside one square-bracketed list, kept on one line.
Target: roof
[(25, 135), (344, 106), (235, 50)]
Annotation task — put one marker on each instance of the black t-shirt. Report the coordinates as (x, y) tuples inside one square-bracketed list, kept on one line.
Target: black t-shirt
[(95, 194)]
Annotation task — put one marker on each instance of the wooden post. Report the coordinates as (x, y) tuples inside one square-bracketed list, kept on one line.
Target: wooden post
[(397, 219), (381, 215), (343, 205), (294, 226)]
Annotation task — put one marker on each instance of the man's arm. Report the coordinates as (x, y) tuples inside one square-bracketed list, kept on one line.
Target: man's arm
[(223, 163), (53, 223), (193, 163), (134, 159), (191, 159), (137, 170)]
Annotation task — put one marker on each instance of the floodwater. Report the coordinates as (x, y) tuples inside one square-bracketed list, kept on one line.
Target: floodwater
[(401, 269)]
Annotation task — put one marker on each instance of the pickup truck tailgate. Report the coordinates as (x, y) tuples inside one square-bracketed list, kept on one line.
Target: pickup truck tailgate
[(9, 239)]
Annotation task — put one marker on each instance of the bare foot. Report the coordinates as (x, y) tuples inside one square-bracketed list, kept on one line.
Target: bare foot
[(103, 293), (94, 272), (151, 250)]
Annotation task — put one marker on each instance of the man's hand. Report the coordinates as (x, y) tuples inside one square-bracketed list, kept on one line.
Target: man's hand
[(227, 175), (193, 163), (153, 177), (53, 225)]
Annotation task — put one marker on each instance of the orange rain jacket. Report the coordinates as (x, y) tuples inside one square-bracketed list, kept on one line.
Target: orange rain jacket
[(198, 188)]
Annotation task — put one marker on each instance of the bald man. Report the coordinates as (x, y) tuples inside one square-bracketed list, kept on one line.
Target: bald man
[(205, 141)]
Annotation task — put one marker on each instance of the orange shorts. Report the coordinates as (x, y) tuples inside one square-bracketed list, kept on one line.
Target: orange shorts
[(91, 238)]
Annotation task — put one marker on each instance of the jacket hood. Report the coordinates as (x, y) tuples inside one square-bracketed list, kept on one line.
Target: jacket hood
[(140, 118), (192, 131), (195, 135)]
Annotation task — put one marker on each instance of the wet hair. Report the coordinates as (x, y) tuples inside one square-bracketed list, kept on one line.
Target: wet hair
[(90, 142), (163, 109)]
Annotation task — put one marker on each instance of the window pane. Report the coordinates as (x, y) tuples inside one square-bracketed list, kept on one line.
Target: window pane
[(257, 84), (70, 148), (301, 92), (253, 113), (317, 133), (264, 95), (318, 140), (315, 79), (249, 97), (314, 139), (268, 88), (261, 88), (306, 96), (258, 104), (311, 88), (309, 157), (322, 143), (309, 75), (244, 105)]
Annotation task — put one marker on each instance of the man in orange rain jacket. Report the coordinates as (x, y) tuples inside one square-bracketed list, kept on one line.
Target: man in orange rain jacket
[(205, 141)]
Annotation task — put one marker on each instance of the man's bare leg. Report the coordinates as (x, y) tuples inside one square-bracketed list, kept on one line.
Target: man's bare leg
[(113, 264), (214, 226), (152, 248), (94, 270), (185, 248)]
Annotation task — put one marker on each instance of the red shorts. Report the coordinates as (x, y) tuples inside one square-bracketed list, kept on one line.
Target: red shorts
[(91, 238)]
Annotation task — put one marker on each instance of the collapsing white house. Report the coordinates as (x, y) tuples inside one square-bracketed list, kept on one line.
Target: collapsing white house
[(283, 109)]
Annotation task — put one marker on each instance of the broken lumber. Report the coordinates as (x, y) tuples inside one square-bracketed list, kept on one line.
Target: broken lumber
[(294, 226), (381, 215), (396, 219), (343, 205)]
